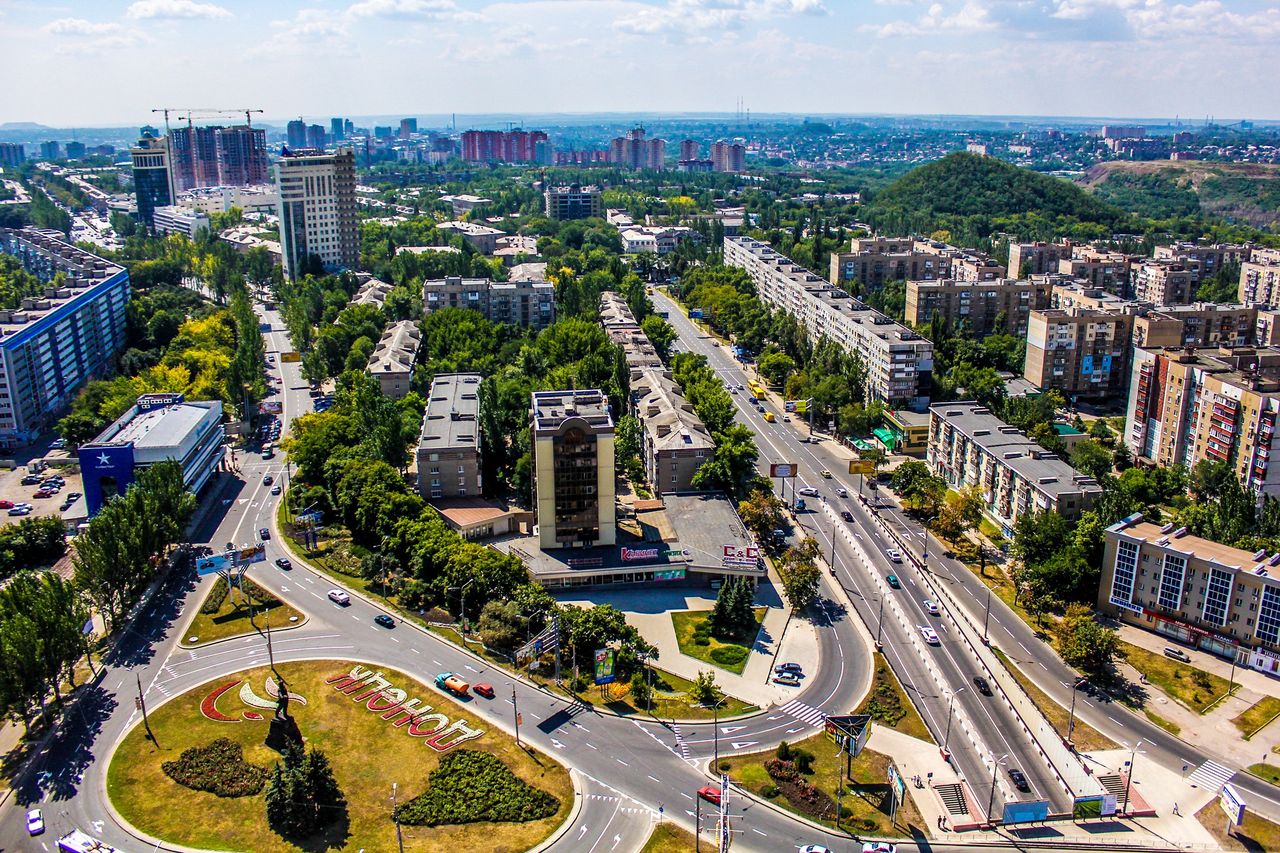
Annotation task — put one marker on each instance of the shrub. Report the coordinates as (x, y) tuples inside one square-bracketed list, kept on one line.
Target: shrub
[(784, 751), (803, 760), (700, 640), (218, 768), (769, 791), (782, 770), (725, 767), (729, 655), (217, 595), (469, 786)]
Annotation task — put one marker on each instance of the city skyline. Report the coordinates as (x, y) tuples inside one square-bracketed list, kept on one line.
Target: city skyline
[(976, 57)]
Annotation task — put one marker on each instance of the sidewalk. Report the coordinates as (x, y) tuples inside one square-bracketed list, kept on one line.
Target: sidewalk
[(649, 610)]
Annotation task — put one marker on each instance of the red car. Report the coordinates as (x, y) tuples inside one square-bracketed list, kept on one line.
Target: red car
[(43, 493), (6, 504), (482, 689), (710, 793)]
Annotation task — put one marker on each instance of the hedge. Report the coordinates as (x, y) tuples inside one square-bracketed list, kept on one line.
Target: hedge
[(218, 595), (469, 786), (218, 768)]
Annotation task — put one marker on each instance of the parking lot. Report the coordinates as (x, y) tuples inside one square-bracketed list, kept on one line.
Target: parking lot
[(14, 493)]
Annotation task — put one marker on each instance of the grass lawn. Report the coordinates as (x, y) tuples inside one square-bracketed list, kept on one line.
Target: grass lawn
[(889, 705), (1168, 725), (1257, 715), (1270, 772), (686, 623), (668, 838), (1256, 834), (865, 804), (233, 618), (368, 754), (1085, 736), (1184, 683)]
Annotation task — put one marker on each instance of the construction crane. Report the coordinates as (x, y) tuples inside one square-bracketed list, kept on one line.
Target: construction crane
[(191, 113)]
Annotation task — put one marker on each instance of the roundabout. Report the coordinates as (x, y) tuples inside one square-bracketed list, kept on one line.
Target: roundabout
[(205, 779)]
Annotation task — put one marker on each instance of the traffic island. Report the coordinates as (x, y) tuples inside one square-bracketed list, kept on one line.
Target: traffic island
[(228, 612), (378, 730)]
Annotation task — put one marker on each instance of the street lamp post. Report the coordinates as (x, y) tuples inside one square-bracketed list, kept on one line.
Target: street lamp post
[(951, 706), (995, 766), (1071, 718), (1133, 754), (462, 613), (395, 815), (986, 619), (880, 622)]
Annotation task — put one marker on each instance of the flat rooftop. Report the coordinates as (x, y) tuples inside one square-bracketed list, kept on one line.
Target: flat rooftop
[(451, 420), (553, 408), (1187, 544), (163, 427)]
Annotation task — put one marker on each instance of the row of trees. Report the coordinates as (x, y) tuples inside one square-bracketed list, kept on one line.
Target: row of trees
[(732, 466)]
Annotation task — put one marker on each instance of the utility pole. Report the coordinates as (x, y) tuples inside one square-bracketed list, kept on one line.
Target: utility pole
[(986, 620), (697, 825), (880, 622), (1071, 718), (833, 546), (395, 815), (515, 710), (146, 723), (946, 740)]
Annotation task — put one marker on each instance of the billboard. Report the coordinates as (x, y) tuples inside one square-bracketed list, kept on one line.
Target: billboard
[(293, 357), (897, 784), (850, 732), (213, 564), (252, 554), (1087, 807), (740, 555), (783, 469), (861, 466), (669, 575), (604, 666), (1233, 804), (270, 407), (631, 555), (1029, 812)]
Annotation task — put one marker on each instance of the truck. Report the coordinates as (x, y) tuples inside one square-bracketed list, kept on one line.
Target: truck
[(76, 841), (451, 683)]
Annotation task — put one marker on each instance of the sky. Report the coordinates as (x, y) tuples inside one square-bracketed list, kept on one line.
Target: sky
[(109, 62)]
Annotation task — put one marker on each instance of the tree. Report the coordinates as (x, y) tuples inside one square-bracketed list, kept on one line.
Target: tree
[(801, 576), (1099, 429), (502, 625), (302, 795), (1084, 643), (641, 694), (920, 489), (961, 512), (761, 512), (776, 368), (660, 334), (733, 465), (1038, 536), (704, 690), (1091, 458)]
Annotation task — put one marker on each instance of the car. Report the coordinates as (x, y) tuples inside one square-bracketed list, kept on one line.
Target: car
[(894, 554), (1177, 654), (485, 690), (733, 391), (6, 504), (71, 496), (739, 387), (1019, 779), (339, 597), (786, 419), (930, 635), (31, 479), (268, 453), (814, 848), (384, 620), (43, 493), (264, 533), (981, 683), (283, 562), (893, 581), (710, 793), (846, 515), (809, 490), (57, 444), (267, 480), (931, 607), (842, 492), (879, 847), (759, 408), (826, 475), (275, 490), (789, 667), (66, 505), (20, 510), (35, 822)]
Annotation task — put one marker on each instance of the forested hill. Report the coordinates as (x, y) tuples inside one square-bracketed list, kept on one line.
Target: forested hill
[(973, 197)]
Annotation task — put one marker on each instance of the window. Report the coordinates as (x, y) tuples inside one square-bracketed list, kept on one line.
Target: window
[(1122, 580), (1171, 581), (1218, 596), (1269, 615)]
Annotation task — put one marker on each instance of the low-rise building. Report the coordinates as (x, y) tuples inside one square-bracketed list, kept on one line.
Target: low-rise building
[(513, 249), (174, 219), (465, 203), (1186, 406), (623, 330), (522, 302), (970, 446), (158, 428), (482, 237), (654, 240), (373, 291), (905, 432), (448, 452), (1260, 278), (261, 198), (1196, 591), (392, 361), (573, 202), (674, 441), (978, 305)]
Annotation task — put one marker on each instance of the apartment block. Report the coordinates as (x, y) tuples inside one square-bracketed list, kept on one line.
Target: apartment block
[(974, 266), (969, 446), (728, 157), (633, 151), (573, 460), (1164, 283), (899, 362), (52, 344), (523, 302), (373, 291), (392, 360), (482, 237), (1206, 260), (874, 260), (1038, 258), (1196, 591), (1100, 268), (674, 441), (983, 307), (623, 330), (318, 209), (12, 154), (172, 219), (573, 202), (512, 146), (1186, 406), (1082, 352), (1260, 278), (1200, 324), (449, 444)]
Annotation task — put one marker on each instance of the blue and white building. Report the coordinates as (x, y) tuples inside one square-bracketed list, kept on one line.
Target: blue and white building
[(158, 428), (51, 344)]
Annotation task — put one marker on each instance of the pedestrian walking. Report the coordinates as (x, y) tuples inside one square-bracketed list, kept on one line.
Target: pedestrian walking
[(1175, 810)]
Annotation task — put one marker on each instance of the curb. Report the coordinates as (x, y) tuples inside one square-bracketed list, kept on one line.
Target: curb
[(182, 644), (572, 818)]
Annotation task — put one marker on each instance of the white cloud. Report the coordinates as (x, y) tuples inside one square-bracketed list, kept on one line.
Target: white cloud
[(161, 9), (79, 27), (972, 17), (692, 16), (400, 8)]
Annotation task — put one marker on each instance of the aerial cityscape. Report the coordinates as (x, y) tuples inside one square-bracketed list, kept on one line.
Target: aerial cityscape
[(661, 426)]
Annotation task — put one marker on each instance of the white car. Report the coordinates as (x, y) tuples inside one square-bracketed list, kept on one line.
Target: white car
[(894, 554), (930, 635), (35, 822), (814, 848), (879, 847), (842, 492), (337, 596), (810, 491), (932, 607)]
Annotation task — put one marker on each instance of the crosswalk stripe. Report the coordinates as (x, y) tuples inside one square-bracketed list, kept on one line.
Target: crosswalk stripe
[(1211, 775), (803, 712)]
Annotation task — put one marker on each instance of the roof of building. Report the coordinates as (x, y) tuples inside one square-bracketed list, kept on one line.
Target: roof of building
[(666, 415), (372, 292), (422, 250), (397, 349), (451, 420), (48, 253), (159, 427), (473, 229), (704, 523), (1177, 539), (553, 408), (528, 272), (464, 512)]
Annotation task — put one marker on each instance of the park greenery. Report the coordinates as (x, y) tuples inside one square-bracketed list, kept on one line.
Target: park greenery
[(217, 767), (470, 786), (32, 542), (303, 797)]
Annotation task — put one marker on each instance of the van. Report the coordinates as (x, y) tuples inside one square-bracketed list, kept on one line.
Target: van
[(1177, 654), (768, 416)]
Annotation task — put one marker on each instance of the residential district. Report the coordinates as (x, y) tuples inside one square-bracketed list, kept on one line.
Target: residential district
[(623, 488)]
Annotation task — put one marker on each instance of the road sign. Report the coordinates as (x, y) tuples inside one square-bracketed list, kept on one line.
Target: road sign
[(291, 356), (861, 466), (740, 555), (1233, 804), (783, 469)]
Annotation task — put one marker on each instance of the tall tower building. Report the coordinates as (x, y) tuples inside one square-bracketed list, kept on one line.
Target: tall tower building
[(296, 134), (194, 154), (50, 150), (690, 149), (573, 460), (12, 154), (242, 156), (318, 209), (152, 177), (336, 131), (349, 128), (408, 127), (315, 136)]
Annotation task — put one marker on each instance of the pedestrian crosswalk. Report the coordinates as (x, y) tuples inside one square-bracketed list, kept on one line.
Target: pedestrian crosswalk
[(803, 712), (1211, 775), (680, 744)]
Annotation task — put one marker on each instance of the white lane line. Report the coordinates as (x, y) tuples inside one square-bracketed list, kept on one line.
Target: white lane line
[(623, 763), (415, 651), (659, 781)]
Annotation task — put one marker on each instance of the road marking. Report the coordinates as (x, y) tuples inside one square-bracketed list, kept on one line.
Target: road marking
[(415, 651), (682, 793), (591, 746), (796, 729), (620, 761), (557, 744), (659, 781), (743, 744), (758, 832), (394, 640), (470, 667), (728, 730), (1117, 722)]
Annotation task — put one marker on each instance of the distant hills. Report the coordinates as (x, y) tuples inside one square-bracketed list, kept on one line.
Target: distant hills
[(23, 125), (1238, 192)]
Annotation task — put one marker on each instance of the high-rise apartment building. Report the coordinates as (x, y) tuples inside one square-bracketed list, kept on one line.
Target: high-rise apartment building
[(50, 150), (315, 136), (153, 180), (75, 150), (1037, 258), (898, 361), (1260, 278), (449, 443), (573, 461), (242, 156), (408, 127), (1164, 283), (337, 130), (1083, 352), (12, 154), (633, 151), (1210, 596), (728, 157), (318, 209), (296, 134), (527, 303), (1002, 306), (690, 149), (349, 129), (498, 146), (573, 202), (1188, 405), (194, 155), (52, 344)]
